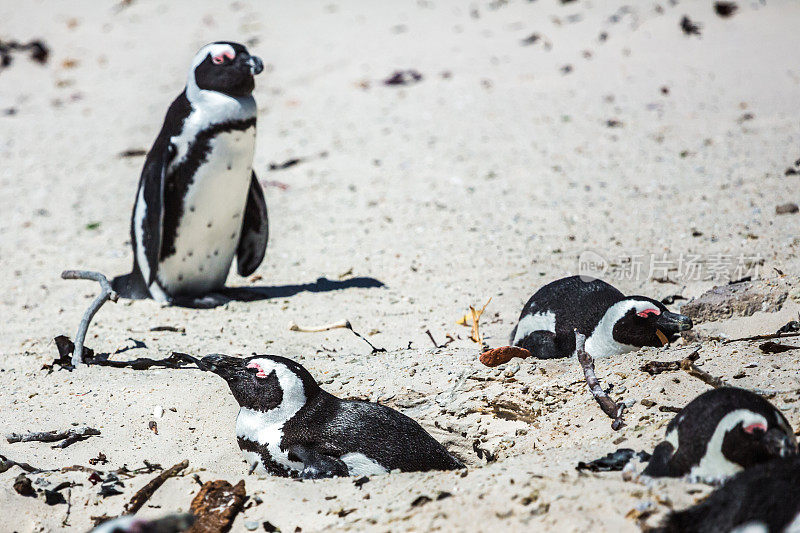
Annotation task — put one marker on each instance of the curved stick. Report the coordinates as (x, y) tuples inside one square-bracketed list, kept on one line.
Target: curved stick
[(613, 410), (342, 324), (106, 293)]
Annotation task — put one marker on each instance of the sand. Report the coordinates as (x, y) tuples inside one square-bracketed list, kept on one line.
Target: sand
[(490, 177)]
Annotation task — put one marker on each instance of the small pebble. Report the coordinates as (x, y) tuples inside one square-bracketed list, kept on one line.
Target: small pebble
[(250, 525), (511, 370)]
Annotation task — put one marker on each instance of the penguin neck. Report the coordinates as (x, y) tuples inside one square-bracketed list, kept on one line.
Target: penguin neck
[(295, 395), (601, 342), (219, 107), (714, 464)]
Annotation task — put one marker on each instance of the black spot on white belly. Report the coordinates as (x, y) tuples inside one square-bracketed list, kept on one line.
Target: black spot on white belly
[(209, 224), (191, 208)]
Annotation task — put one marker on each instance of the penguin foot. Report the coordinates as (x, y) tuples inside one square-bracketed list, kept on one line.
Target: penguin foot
[(207, 301), (317, 465)]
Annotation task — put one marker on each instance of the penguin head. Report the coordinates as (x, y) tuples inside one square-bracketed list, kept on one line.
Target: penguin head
[(720, 432), (225, 67), (753, 439), (643, 321), (262, 382)]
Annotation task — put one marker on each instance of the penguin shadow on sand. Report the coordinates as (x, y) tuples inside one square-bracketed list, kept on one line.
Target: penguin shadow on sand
[(323, 284)]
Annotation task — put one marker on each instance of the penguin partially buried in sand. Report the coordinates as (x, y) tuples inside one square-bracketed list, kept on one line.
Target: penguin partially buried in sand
[(612, 322), (288, 426), (198, 202), (761, 499), (720, 433)]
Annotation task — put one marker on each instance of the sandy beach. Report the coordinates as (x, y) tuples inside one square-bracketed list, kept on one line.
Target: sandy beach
[(541, 138)]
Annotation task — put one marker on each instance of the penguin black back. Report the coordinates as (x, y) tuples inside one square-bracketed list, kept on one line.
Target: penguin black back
[(719, 433)]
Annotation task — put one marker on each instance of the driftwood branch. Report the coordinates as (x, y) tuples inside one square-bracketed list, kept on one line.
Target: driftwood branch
[(144, 494), (106, 293), (342, 324), (609, 407), (69, 436)]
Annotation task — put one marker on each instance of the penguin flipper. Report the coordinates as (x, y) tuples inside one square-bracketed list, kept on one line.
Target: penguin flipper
[(154, 176), (255, 231), (317, 465), (659, 462), (541, 343)]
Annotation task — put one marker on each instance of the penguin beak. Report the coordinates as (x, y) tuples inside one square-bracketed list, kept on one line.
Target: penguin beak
[(256, 65), (222, 365), (672, 323), (779, 444)]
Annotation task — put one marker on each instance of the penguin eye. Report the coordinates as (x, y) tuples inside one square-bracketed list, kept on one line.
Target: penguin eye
[(220, 59), (648, 312), (755, 428), (257, 368)]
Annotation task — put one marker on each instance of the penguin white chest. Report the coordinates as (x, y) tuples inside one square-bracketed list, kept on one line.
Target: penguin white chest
[(265, 429), (208, 231)]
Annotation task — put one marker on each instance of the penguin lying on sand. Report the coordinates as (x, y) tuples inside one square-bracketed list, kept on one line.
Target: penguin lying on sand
[(719, 433), (612, 322), (762, 499), (198, 202), (288, 426)]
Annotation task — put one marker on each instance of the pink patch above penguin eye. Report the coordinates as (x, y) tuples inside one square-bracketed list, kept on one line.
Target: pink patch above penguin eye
[(260, 373), (219, 59), (752, 428), (648, 312)]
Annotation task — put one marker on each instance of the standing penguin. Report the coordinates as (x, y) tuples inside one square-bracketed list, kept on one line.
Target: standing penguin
[(612, 322), (719, 433), (198, 201), (288, 426)]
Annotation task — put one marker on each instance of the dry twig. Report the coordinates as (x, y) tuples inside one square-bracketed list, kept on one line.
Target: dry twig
[(474, 316), (106, 293), (144, 494), (613, 410), (342, 324), (688, 366), (763, 337), (69, 436)]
